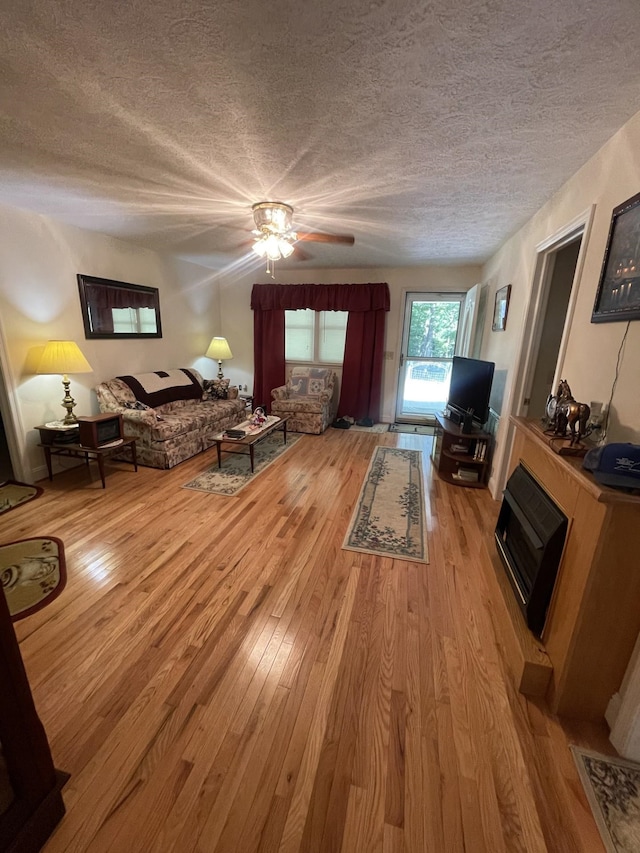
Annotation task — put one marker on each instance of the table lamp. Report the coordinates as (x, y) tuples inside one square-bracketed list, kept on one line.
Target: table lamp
[(219, 349), (64, 357)]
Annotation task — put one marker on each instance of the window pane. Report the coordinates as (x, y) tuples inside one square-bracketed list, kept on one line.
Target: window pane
[(433, 329), (331, 336), (298, 332), (426, 387), (124, 320), (147, 317)]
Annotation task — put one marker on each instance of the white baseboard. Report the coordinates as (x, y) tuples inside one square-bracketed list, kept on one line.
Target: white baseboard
[(613, 710)]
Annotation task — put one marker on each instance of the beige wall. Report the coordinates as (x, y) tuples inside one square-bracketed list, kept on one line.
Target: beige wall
[(237, 319), (39, 260), (609, 178)]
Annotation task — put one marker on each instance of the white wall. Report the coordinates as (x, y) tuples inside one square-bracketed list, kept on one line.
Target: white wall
[(237, 317), (608, 179), (39, 301)]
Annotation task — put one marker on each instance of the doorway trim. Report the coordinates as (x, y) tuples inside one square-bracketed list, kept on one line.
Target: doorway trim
[(579, 227), (13, 426)]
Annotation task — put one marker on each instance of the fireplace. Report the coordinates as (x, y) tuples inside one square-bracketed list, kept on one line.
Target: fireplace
[(530, 536)]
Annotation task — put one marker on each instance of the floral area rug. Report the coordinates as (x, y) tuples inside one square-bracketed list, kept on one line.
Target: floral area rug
[(235, 473), (389, 517), (13, 494), (612, 786), (33, 574)]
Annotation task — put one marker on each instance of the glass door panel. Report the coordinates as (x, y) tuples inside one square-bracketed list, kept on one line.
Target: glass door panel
[(428, 346)]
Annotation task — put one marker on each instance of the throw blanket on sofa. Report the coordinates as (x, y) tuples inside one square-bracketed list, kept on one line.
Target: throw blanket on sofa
[(164, 386)]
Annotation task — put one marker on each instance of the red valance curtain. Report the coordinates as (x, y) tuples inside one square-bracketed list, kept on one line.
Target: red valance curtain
[(360, 394)]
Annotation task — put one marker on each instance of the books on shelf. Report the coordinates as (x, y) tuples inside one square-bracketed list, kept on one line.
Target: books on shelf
[(466, 475), (459, 448), (480, 450)]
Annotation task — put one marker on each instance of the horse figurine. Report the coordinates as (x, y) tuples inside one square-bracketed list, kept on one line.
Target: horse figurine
[(570, 414)]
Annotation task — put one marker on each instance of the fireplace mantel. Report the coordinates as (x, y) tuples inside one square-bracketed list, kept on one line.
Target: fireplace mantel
[(593, 619)]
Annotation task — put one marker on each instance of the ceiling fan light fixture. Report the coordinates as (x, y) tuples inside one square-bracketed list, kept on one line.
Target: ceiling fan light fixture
[(272, 246), (286, 248), (260, 247), (272, 216)]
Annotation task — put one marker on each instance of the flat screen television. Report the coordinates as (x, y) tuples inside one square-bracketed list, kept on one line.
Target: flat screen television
[(470, 388)]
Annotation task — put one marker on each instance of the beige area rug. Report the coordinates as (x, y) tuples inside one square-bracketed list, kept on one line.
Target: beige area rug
[(33, 574), (389, 517), (13, 494), (235, 473), (612, 786)]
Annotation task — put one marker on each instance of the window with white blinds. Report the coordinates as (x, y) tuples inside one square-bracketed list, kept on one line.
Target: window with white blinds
[(315, 336), (134, 320)]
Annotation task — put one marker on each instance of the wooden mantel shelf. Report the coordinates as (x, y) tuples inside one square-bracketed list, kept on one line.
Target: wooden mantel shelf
[(594, 619), (572, 466)]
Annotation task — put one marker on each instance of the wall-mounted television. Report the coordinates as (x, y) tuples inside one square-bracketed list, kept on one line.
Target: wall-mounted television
[(470, 389)]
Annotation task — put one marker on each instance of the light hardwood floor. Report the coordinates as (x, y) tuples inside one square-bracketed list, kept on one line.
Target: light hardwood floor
[(219, 675)]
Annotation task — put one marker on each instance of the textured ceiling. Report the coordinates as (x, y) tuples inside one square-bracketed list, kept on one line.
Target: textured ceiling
[(429, 130)]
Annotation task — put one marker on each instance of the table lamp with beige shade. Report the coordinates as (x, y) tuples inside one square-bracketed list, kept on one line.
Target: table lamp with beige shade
[(64, 357), (219, 349)]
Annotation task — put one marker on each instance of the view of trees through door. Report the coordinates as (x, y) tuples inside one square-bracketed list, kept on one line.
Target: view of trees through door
[(431, 323)]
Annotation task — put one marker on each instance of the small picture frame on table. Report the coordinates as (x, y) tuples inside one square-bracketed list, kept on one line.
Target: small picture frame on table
[(618, 294), (501, 309)]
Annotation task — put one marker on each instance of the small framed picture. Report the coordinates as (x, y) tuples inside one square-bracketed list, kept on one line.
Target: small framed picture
[(618, 296), (501, 309)]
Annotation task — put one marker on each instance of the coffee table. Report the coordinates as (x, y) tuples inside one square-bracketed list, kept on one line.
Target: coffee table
[(248, 441)]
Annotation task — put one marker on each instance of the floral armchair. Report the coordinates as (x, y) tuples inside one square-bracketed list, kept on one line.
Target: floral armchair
[(309, 397)]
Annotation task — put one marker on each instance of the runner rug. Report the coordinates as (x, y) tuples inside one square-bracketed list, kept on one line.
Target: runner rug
[(235, 473), (389, 516), (13, 494), (33, 574), (612, 786)]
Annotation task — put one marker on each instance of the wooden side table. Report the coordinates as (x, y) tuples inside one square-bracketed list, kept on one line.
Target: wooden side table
[(51, 441), (459, 457)]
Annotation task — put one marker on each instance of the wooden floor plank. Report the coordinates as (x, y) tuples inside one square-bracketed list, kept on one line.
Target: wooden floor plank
[(219, 675)]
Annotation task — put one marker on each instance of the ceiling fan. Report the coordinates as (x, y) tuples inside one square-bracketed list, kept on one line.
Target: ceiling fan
[(275, 237)]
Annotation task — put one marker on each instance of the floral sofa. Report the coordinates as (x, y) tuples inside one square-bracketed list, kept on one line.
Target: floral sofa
[(173, 414), (309, 397)]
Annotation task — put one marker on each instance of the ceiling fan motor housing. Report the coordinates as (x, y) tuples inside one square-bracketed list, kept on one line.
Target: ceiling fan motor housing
[(273, 217)]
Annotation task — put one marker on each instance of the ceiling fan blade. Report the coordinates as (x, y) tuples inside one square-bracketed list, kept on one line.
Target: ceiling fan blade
[(319, 237), (300, 254)]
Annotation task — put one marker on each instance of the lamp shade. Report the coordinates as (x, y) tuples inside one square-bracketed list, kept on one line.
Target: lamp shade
[(219, 349), (63, 357)]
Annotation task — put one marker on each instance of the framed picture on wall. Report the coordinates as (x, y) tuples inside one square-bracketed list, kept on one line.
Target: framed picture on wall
[(618, 295), (115, 309), (501, 309)]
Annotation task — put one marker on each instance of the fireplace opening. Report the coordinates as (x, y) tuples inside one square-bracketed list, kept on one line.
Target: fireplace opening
[(530, 536)]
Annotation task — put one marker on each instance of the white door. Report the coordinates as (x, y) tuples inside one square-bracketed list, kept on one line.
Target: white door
[(429, 335), (468, 322)]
